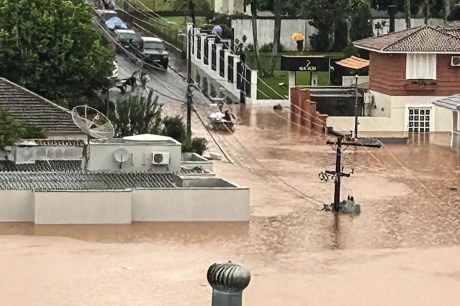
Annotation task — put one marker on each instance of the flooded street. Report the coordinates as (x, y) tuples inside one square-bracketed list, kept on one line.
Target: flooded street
[(402, 250)]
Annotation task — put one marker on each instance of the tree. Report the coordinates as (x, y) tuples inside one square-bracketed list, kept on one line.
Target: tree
[(277, 9), (254, 6), (51, 47), (12, 131), (361, 20), (137, 114)]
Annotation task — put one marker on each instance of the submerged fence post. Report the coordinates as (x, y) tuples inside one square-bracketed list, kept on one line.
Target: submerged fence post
[(228, 280)]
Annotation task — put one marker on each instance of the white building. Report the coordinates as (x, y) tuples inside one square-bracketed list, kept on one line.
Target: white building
[(138, 178)]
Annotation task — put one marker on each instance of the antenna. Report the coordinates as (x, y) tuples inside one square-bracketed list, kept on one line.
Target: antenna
[(121, 155), (92, 122)]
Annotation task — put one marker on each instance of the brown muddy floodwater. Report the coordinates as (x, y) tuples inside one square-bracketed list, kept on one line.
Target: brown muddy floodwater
[(402, 250)]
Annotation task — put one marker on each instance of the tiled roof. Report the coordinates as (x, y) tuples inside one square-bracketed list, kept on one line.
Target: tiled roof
[(42, 166), (353, 62), (60, 143), (419, 39), (28, 107), (56, 181)]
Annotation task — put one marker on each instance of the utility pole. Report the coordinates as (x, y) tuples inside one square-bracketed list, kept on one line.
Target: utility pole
[(189, 71), (356, 108), (338, 162)]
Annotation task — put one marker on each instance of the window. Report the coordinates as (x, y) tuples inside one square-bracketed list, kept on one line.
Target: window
[(154, 45), (421, 66)]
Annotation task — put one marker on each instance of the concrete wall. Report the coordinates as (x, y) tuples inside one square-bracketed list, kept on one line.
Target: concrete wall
[(197, 204), (400, 24), (243, 27), (83, 207), (265, 28), (123, 207), (351, 80), (17, 206), (394, 116), (191, 160), (101, 157)]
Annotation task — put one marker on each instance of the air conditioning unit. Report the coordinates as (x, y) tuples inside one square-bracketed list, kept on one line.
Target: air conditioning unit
[(455, 61), (160, 158)]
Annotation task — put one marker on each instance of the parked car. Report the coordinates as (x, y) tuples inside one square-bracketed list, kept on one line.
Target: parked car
[(152, 50), (124, 38)]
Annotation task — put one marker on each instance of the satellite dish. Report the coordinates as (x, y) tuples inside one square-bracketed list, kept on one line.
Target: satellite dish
[(92, 122), (121, 155)]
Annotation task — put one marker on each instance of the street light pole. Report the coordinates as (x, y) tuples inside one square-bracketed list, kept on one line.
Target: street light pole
[(189, 71), (356, 108)]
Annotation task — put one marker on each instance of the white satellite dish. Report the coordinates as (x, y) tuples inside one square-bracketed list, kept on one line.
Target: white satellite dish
[(92, 122), (121, 155)]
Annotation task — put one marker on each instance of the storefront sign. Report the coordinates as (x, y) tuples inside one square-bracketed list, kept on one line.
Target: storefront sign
[(304, 63)]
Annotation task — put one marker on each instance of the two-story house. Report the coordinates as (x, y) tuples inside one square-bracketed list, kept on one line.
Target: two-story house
[(408, 71)]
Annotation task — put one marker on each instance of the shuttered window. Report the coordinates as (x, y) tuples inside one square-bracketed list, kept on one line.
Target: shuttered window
[(421, 66)]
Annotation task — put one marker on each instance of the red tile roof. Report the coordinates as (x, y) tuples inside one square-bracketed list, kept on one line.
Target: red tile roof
[(419, 39)]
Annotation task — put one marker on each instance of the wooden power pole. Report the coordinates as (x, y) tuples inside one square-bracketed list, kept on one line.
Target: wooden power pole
[(338, 161)]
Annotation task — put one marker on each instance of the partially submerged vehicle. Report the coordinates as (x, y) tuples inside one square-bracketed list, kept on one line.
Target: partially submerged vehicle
[(223, 122), (151, 50)]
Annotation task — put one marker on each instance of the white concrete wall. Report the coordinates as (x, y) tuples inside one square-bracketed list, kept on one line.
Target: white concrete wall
[(351, 80), (191, 160), (83, 207), (194, 204), (394, 117), (243, 27), (17, 206), (101, 157), (400, 24), (265, 28)]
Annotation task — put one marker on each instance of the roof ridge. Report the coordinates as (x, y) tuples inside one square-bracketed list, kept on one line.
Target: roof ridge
[(417, 29), (36, 95)]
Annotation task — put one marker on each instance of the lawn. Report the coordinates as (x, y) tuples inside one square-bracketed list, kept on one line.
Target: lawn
[(279, 83), (280, 79)]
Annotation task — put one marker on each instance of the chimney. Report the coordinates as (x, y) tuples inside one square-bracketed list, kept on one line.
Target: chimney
[(228, 280), (392, 13)]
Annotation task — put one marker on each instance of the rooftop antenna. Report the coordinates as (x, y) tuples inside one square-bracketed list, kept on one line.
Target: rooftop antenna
[(121, 155), (92, 122)]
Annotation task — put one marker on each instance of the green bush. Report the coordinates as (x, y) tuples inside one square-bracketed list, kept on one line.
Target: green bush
[(174, 127), (199, 145)]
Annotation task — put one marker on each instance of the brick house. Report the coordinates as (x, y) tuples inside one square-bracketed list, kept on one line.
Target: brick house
[(408, 71)]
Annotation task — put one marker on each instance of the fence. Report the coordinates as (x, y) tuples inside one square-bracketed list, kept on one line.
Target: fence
[(218, 64)]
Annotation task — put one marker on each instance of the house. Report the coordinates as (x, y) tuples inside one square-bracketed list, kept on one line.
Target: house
[(452, 103), (118, 181), (29, 108), (408, 71)]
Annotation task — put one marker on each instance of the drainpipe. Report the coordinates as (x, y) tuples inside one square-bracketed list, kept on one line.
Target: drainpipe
[(228, 280), (392, 13)]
